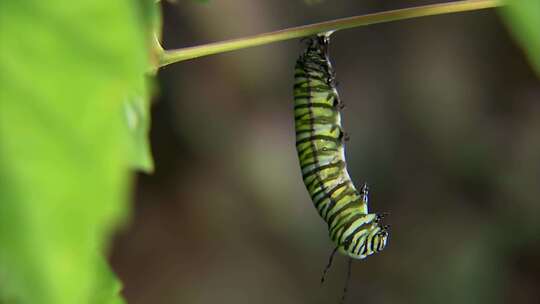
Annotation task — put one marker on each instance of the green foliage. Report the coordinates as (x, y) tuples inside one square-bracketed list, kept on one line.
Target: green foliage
[(137, 119), (523, 18), (72, 76), (136, 104)]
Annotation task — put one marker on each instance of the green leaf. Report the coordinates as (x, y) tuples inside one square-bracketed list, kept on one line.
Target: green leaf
[(137, 119), (67, 68), (107, 288), (523, 18), (137, 103)]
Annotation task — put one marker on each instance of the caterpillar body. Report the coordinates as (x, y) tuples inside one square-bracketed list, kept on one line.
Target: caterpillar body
[(320, 145)]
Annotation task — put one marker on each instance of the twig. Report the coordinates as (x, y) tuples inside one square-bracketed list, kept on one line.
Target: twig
[(172, 56)]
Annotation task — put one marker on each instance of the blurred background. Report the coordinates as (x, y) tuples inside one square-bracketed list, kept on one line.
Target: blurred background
[(443, 114)]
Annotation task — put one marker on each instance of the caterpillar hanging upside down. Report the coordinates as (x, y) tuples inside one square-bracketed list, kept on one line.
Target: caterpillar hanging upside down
[(320, 144)]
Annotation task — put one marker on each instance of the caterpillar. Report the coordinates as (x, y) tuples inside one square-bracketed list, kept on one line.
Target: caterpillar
[(320, 140)]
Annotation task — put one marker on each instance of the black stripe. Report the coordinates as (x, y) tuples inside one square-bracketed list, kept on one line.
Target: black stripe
[(323, 181), (361, 249), (315, 62), (357, 230), (321, 66), (338, 164), (314, 105), (365, 248), (342, 195), (300, 72), (323, 151), (309, 76), (298, 132), (299, 96), (332, 129), (318, 120), (345, 219), (331, 95), (304, 131), (299, 116), (331, 116), (314, 88), (318, 137), (334, 189), (349, 224), (304, 85), (329, 193), (312, 69), (372, 243), (358, 242), (349, 205), (304, 165), (318, 75), (346, 225)]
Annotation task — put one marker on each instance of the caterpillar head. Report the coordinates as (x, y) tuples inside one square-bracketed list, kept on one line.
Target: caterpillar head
[(381, 239), (368, 238)]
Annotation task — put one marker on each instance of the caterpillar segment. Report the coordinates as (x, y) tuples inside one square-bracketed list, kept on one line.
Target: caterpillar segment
[(321, 151)]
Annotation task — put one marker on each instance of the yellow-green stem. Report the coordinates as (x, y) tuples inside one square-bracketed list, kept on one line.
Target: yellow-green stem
[(172, 56)]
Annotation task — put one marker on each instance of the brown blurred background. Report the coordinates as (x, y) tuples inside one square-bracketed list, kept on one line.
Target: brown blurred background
[(443, 114)]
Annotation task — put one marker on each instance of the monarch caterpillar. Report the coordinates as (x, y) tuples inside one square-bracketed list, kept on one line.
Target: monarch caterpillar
[(320, 145)]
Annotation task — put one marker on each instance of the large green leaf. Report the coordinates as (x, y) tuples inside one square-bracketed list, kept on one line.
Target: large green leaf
[(523, 18), (66, 69), (137, 103), (137, 120)]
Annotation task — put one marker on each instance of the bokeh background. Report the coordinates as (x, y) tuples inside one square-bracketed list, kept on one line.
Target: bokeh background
[(444, 118)]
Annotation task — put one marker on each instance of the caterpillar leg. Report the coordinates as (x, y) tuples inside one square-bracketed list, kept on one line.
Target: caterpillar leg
[(344, 136)]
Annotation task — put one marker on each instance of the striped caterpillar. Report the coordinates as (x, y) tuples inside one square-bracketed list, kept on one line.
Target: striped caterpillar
[(320, 145)]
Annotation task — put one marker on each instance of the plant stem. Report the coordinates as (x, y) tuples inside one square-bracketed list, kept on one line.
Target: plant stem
[(172, 56)]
